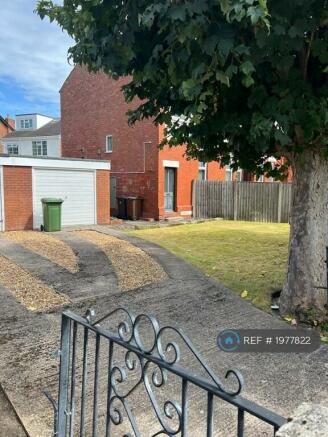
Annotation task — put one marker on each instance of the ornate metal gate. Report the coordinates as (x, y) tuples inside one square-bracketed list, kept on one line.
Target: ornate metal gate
[(109, 382)]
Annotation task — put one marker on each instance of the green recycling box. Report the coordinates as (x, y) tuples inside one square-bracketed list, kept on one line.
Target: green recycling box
[(51, 214)]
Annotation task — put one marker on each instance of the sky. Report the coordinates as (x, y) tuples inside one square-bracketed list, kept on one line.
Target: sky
[(33, 60)]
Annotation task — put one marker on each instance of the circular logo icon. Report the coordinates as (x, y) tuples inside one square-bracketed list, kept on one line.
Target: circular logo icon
[(228, 341)]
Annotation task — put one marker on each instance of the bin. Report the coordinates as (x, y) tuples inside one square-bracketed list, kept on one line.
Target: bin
[(134, 208), (122, 208), (129, 208), (51, 214)]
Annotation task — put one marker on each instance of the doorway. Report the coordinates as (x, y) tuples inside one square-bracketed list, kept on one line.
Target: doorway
[(113, 198), (169, 189)]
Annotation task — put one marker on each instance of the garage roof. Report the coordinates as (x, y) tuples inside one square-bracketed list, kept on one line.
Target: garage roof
[(47, 162)]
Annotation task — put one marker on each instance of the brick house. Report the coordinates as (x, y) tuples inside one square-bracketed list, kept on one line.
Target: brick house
[(7, 125), (35, 135), (94, 126)]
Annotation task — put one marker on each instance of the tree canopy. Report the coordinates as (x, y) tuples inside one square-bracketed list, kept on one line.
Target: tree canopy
[(246, 79)]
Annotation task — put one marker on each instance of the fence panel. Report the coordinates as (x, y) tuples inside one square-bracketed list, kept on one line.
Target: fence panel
[(250, 201)]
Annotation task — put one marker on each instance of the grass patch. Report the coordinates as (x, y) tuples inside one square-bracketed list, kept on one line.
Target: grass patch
[(242, 255)]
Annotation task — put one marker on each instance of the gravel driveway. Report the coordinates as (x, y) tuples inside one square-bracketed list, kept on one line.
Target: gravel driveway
[(186, 298)]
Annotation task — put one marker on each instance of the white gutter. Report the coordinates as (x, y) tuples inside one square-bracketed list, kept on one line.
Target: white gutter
[(64, 163)]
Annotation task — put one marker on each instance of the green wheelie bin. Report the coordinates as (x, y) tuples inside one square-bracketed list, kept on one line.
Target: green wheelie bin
[(51, 214)]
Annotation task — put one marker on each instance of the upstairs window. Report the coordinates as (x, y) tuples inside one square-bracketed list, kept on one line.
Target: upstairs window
[(202, 171), (109, 143), (39, 148), (26, 123), (12, 149)]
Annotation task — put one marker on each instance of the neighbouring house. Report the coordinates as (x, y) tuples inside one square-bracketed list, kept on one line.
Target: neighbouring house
[(35, 135), (24, 181), (94, 126), (7, 125)]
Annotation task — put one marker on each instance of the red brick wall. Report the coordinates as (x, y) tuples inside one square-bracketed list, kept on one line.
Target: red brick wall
[(92, 106), (103, 197), (18, 203)]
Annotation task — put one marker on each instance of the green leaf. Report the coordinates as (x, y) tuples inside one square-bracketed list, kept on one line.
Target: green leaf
[(281, 137), (255, 13), (210, 44), (178, 12), (248, 81), (279, 29), (222, 77), (294, 32), (247, 68)]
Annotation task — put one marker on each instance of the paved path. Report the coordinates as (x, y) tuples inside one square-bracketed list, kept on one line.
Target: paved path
[(200, 306), (9, 423)]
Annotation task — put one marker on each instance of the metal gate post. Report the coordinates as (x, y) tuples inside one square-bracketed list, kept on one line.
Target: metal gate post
[(63, 375)]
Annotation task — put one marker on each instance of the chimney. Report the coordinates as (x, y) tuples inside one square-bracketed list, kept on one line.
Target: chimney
[(11, 122)]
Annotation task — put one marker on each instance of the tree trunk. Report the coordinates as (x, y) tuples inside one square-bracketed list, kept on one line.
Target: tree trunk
[(306, 270)]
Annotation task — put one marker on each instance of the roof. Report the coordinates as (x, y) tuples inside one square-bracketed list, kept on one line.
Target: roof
[(33, 113), (48, 130), (5, 122), (56, 162)]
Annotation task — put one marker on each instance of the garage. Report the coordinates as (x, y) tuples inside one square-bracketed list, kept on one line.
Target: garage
[(82, 184)]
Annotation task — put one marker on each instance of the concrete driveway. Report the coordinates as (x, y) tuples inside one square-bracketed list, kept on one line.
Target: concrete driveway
[(188, 299)]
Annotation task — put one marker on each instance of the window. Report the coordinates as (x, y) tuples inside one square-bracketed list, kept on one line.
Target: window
[(228, 173), (202, 171), (26, 123), (12, 149), (109, 143), (39, 148)]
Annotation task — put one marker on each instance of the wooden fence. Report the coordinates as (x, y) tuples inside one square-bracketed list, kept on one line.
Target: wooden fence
[(250, 201)]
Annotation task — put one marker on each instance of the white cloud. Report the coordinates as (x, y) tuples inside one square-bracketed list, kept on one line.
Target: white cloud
[(33, 53)]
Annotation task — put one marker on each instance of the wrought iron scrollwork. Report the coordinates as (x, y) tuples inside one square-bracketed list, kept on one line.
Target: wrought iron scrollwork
[(152, 374), (130, 333), (141, 355)]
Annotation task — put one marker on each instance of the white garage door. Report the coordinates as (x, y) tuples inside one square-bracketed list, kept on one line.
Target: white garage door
[(75, 187)]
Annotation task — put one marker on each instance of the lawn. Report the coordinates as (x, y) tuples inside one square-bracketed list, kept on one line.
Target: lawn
[(242, 255)]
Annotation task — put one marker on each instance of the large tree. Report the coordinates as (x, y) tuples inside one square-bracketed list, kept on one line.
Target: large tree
[(234, 80)]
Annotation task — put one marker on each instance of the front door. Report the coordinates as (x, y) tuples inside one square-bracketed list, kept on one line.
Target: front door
[(169, 193)]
